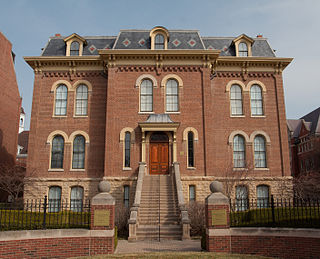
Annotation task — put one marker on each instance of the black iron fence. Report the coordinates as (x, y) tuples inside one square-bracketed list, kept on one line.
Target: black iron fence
[(271, 212), (45, 214)]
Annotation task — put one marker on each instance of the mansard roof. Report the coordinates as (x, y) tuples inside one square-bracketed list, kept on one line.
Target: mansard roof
[(140, 39), (313, 118)]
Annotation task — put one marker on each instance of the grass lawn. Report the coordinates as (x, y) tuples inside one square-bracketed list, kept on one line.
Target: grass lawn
[(176, 255)]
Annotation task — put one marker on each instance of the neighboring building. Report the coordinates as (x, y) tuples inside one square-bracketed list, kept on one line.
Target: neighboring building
[(22, 120), (305, 143), (10, 102), (22, 153), (103, 104)]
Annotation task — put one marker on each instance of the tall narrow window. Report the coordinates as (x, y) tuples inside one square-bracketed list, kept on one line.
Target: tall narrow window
[(76, 199), (260, 160), (262, 196), (61, 100), (236, 100), (243, 49), (172, 96), (256, 100), (146, 96), (57, 151), (54, 199), (127, 141), (82, 100), (74, 48), (190, 149), (159, 42), (239, 154), (241, 198), (126, 195), (78, 157), (192, 193)]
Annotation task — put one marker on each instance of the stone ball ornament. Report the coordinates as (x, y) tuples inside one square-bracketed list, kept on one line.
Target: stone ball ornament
[(104, 186), (216, 186)]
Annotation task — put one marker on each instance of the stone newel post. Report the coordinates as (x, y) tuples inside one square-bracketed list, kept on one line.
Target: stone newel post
[(103, 214), (217, 220)]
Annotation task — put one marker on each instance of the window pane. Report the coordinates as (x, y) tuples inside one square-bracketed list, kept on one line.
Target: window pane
[(192, 193), (239, 158), (126, 195), (54, 199), (82, 100), (61, 100), (146, 96), (159, 42), (127, 149), (262, 196), (57, 151), (260, 160), (256, 100), (172, 96), (76, 199), (236, 100), (74, 48), (241, 198), (78, 157), (243, 49), (190, 149)]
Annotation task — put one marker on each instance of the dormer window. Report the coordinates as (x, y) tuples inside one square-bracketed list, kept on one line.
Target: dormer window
[(74, 48), (74, 45), (242, 45), (159, 42), (159, 38), (243, 49)]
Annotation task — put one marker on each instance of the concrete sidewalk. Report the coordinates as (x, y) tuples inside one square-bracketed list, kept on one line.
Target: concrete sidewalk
[(125, 247)]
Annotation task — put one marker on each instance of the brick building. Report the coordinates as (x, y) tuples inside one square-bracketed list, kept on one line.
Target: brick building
[(9, 103), (102, 105), (304, 143)]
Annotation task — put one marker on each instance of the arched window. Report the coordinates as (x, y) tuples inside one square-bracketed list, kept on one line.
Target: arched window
[(159, 41), (172, 96), (242, 201), (260, 159), (76, 199), (146, 96), (236, 100), (78, 156), (239, 154), (190, 149), (54, 199), (262, 196), (82, 100), (127, 141), (243, 49), (74, 48), (61, 100), (256, 100), (57, 151)]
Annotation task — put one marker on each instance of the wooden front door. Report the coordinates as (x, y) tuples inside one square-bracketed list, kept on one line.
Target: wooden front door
[(159, 154)]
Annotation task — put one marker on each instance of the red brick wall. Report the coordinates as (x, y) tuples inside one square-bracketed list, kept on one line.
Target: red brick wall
[(9, 103), (56, 247)]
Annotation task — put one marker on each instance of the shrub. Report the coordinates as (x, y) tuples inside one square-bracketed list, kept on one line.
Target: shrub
[(197, 216), (122, 215)]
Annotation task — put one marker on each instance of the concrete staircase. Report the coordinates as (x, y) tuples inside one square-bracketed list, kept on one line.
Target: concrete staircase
[(159, 214)]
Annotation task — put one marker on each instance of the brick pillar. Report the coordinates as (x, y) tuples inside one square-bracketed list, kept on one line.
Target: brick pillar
[(102, 221), (217, 220)]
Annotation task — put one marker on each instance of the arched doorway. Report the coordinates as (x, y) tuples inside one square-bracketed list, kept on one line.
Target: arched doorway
[(159, 153)]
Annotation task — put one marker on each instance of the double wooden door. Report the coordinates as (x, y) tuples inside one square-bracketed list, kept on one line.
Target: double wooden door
[(159, 158)]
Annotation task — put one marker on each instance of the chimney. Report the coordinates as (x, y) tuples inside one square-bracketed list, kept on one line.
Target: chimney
[(57, 35), (259, 36)]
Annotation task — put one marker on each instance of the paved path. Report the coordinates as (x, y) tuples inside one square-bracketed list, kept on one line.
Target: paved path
[(125, 247)]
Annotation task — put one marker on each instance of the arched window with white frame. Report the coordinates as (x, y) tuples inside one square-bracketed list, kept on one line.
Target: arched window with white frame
[(190, 149), (78, 155), (146, 96), (172, 96), (76, 199), (74, 48), (262, 196), (159, 41), (260, 158), (61, 100), (57, 152), (243, 49), (236, 100), (54, 199), (239, 154), (242, 201), (81, 100), (256, 100), (127, 143)]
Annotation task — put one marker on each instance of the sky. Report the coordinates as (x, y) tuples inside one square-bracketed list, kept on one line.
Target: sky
[(291, 26)]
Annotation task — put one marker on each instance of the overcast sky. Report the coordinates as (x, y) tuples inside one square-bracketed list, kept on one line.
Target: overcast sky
[(291, 26)]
